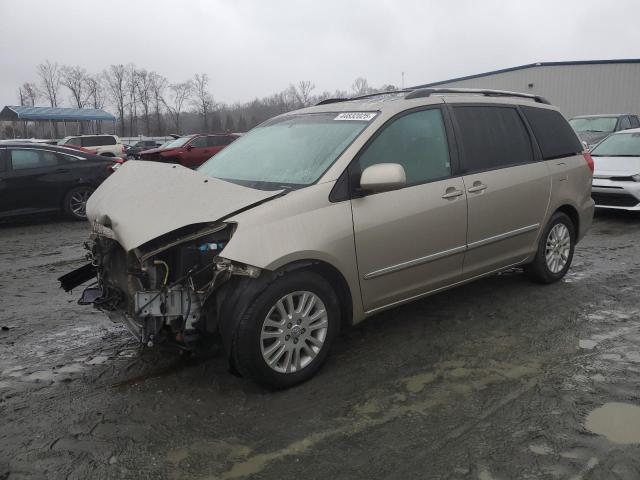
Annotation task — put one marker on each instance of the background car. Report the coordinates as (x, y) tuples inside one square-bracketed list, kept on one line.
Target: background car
[(594, 128), (616, 178), (133, 150), (106, 145), (42, 178), (190, 151)]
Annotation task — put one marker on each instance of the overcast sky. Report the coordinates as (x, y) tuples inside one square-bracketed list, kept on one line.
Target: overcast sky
[(253, 48)]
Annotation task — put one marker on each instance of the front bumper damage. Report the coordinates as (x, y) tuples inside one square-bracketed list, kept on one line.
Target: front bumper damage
[(163, 291)]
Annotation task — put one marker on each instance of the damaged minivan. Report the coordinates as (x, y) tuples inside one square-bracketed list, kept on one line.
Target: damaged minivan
[(321, 217)]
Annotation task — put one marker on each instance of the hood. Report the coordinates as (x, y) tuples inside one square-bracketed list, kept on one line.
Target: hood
[(157, 150), (143, 200), (592, 137), (616, 166)]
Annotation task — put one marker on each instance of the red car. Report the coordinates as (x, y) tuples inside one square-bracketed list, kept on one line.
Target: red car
[(190, 151)]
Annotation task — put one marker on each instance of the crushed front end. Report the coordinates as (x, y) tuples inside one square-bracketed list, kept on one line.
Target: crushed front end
[(163, 291)]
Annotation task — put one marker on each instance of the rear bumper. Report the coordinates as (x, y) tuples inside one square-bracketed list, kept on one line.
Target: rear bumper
[(616, 195)]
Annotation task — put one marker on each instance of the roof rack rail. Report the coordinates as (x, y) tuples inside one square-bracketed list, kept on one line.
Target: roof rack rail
[(336, 100), (426, 92)]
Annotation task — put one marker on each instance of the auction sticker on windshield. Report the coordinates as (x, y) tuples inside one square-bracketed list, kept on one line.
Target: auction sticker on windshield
[(359, 116)]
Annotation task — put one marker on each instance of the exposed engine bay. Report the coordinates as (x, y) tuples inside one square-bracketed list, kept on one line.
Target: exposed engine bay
[(163, 290)]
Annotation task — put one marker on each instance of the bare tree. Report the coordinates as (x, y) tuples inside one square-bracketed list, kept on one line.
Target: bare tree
[(145, 97), (115, 78), (94, 85), (180, 93), (132, 79), (302, 92), (158, 85), (75, 80), (28, 94), (95, 91), (49, 74), (203, 100), (360, 86)]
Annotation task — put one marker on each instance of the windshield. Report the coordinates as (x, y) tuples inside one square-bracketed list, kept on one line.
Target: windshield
[(619, 145), (178, 142), (289, 151), (594, 124)]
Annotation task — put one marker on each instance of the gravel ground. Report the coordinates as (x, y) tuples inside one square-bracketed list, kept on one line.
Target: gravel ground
[(499, 379)]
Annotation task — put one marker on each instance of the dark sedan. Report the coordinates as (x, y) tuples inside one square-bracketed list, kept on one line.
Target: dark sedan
[(41, 178), (133, 150)]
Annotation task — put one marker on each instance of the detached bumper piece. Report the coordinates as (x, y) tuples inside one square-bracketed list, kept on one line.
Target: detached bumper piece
[(77, 277)]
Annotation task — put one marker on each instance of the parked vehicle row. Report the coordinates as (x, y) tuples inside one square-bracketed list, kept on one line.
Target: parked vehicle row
[(322, 217), (190, 151), (106, 145), (36, 178), (592, 129)]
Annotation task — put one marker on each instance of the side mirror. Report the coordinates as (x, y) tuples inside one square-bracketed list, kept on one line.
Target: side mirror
[(383, 177), (189, 148)]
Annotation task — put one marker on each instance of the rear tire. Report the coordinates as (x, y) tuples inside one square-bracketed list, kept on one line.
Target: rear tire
[(75, 202), (555, 250), (285, 334)]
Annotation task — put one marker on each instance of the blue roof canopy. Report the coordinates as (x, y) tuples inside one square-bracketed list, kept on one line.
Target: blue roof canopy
[(13, 113)]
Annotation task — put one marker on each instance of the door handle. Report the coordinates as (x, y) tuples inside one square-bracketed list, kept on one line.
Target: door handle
[(477, 187), (452, 193), (62, 170)]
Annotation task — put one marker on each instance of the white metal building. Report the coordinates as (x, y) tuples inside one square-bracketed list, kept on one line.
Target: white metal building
[(576, 88)]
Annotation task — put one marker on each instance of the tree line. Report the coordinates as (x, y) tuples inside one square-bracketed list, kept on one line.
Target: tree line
[(147, 103)]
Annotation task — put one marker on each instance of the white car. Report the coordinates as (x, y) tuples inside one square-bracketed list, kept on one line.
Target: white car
[(616, 179), (106, 145)]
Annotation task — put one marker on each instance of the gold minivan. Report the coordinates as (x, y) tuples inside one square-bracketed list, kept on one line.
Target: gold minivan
[(322, 217)]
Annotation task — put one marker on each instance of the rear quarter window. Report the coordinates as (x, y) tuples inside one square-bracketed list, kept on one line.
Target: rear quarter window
[(492, 137), (555, 136), (98, 141)]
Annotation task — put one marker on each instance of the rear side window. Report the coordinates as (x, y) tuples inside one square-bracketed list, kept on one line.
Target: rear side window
[(26, 159), (418, 142), (98, 141), (625, 124), (219, 140), (199, 142), (492, 137), (74, 141), (555, 136)]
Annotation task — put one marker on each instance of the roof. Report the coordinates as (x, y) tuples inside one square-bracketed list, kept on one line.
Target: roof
[(12, 113), (601, 115), (531, 65)]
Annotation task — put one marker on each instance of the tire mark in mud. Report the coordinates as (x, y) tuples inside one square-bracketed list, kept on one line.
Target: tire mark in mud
[(454, 380)]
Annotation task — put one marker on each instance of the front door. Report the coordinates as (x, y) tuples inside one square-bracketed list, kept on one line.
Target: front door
[(412, 240), (31, 181), (507, 189)]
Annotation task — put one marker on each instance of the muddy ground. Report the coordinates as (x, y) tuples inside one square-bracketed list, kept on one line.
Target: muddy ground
[(494, 380)]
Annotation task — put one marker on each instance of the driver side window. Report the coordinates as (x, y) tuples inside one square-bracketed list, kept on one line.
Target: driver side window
[(418, 142), (199, 142)]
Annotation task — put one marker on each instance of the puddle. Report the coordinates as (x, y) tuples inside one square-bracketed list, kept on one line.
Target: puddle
[(619, 422)]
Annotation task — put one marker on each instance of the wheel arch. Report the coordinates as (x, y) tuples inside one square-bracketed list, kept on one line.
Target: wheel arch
[(63, 198), (573, 215), (231, 298)]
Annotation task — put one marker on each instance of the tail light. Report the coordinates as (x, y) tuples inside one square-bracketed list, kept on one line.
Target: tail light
[(589, 159), (117, 163)]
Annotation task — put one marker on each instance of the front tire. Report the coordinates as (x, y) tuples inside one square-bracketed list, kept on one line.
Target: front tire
[(75, 202), (285, 334), (555, 250)]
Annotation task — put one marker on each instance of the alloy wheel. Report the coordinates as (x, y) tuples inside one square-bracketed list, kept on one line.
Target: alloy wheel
[(294, 332), (557, 247)]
